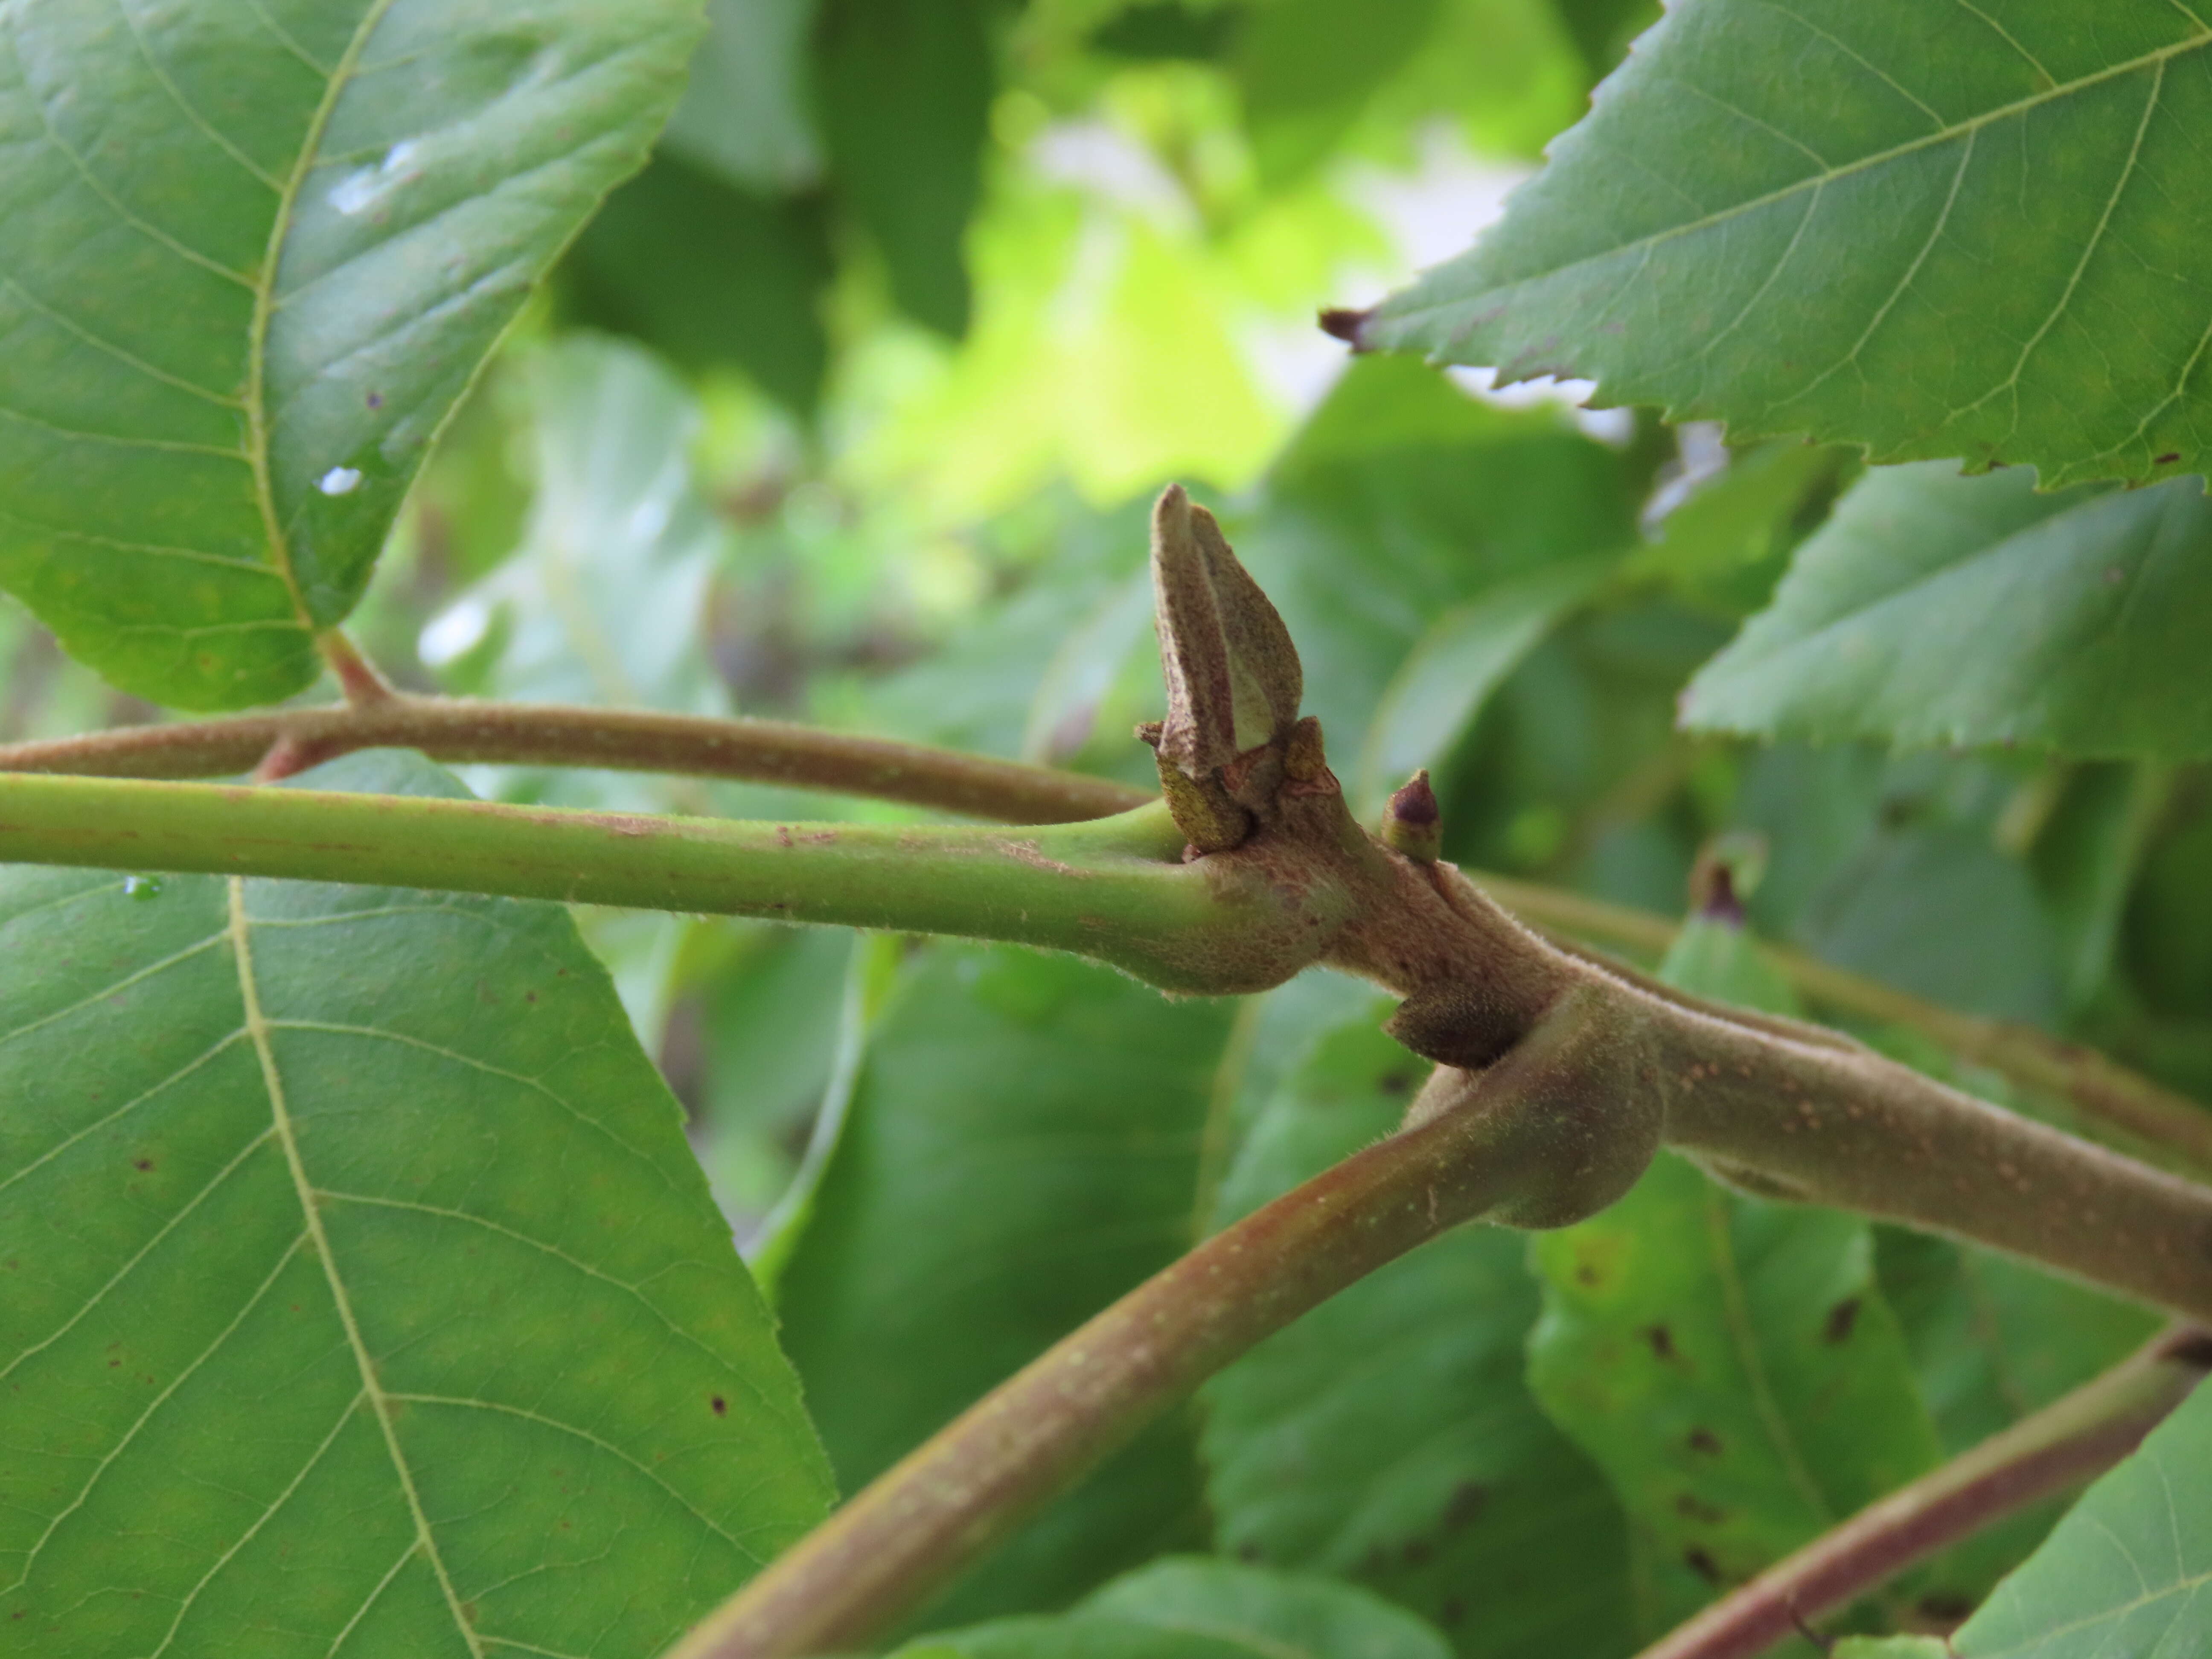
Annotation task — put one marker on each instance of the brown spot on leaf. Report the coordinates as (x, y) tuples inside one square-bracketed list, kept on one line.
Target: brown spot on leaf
[(1702, 1565), (1944, 1607), (721, 1405), (1663, 1342), (1706, 1441), (1694, 1507), (2168, 458), (1841, 1318), (142, 1163), (1466, 1501)]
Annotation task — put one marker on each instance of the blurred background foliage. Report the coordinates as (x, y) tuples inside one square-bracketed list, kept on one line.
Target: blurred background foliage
[(849, 407)]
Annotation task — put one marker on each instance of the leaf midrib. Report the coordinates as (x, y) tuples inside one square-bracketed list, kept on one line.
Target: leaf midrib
[(1821, 180), (257, 1027), (264, 308), (1744, 1334)]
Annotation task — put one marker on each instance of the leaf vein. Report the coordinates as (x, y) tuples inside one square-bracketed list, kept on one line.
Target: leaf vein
[(336, 1029), (2096, 239), (272, 1078), (99, 342), (199, 123), (264, 290), (591, 1439), (107, 1460), (1879, 158), (143, 1252), (635, 1291), (267, 1512)]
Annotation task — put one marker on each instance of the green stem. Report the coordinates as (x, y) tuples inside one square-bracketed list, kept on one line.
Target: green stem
[(1114, 889), (551, 734), (2073, 1439)]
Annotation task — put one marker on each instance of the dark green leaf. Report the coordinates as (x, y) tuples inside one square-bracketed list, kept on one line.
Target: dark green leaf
[(605, 601), (2086, 859), (2124, 1575), (744, 113), (1936, 231), (2087, 609), (1193, 1607), (1603, 28), (761, 1021), (1723, 546), (1021, 1148), (361, 1285), (1729, 1361), (255, 253), (1993, 1340), (1402, 497), (1936, 910), (906, 90), (1388, 1436), (1307, 69), (1440, 689), (1156, 29), (712, 275)]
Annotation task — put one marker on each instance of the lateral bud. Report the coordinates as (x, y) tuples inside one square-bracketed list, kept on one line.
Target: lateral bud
[(1411, 823)]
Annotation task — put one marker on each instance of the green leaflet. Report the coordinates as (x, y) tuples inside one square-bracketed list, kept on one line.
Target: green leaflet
[(1440, 689), (1388, 1436), (1935, 909), (713, 275), (604, 601), (1021, 1147), (256, 251), (1933, 230), (2086, 608), (1402, 498), (1193, 1607), (1306, 77), (2128, 1573), (1723, 547), (744, 112), (1991, 1341), (1729, 1362), (504, 1382), (905, 93)]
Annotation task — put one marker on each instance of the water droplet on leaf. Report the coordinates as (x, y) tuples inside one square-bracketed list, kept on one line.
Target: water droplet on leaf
[(141, 888)]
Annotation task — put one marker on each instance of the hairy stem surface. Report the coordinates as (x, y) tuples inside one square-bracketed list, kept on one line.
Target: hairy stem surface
[(800, 756), (551, 734), (2096, 1084), (942, 1507), (2072, 1440), (1113, 889)]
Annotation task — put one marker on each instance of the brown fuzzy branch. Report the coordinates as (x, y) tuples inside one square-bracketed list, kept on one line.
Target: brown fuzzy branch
[(946, 1503), (2098, 1086), (772, 751), (551, 734), (2073, 1440)]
